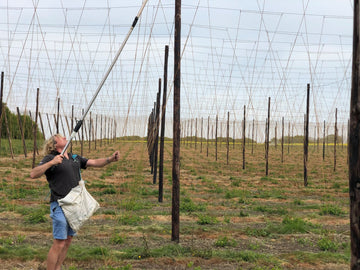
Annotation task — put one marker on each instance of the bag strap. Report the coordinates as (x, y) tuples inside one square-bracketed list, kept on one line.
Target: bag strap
[(74, 157)]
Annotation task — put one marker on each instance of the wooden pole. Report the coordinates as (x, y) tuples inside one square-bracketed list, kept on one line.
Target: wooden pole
[(101, 129), (35, 126), (9, 136), (252, 137), (96, 127), (162, 133), (275, 135), (72, 125), (289, 136), (306, 139), (244, 138), (267, 139), (335, 139), (324, 142), (227, 139), (201, 136), (216, 137), (234, 134), (354, 146), (47, 116), (157, 123), (176, 141), (57, 116), (196, 128), (208, 133), (21, 131), (42, 126), (90, 132), (282, 140), (1, 102), (82, 138)]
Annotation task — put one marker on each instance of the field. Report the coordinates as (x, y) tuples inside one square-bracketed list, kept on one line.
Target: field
[(230, 218)]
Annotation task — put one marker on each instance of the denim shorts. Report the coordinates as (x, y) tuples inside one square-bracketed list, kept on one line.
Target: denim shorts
[(61, 228)]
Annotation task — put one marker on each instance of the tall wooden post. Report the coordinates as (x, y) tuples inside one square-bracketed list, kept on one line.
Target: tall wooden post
[(354, 146), (208, 133), (252, 137), (101, 129), (162, 133), (289, 136), (267, 139), (95, 131), (324, 142), (275, 135), (89, 132), (176, 133), (47, 117), (244, 138), (157, 123), (196, 132), (216, 137), (82, 138), (227, 139), (9, 136), (201, 136), (72, 125), (42, 126), (35, 126), (335, 139), (57, 116), (21, 131), (1, 102), (282, 140), (234, 134), (306, 139)]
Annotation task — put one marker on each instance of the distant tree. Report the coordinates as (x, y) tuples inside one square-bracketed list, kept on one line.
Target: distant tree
[(12, 119)]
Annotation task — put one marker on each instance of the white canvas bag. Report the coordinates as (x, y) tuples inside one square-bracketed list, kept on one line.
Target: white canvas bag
[(78, 206)]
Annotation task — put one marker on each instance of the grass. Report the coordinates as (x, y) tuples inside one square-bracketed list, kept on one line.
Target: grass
[(228, 216)]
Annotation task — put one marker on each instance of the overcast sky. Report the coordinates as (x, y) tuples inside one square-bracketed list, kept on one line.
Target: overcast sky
[(236, 53)]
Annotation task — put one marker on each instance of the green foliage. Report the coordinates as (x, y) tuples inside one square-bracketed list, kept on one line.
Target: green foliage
[(326, 244), (289, 225), (35, 217), (332, 210), (225, 241), (270, 210), (117, 239), (130, 219), (206, 220), (187, 205), (13, 124)]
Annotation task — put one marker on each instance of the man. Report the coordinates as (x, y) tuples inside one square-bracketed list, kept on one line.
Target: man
[(62, 173)]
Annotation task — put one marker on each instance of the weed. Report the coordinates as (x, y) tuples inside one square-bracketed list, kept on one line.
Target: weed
[(224, 241), (38, 216), (206, 220), (117, 239), (187, 205), (326, 244), (332, 210)]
